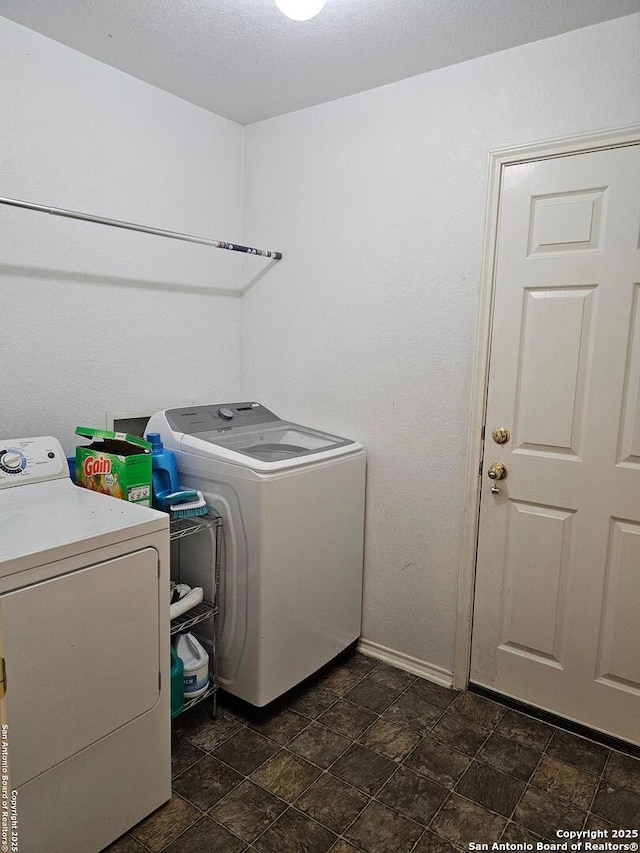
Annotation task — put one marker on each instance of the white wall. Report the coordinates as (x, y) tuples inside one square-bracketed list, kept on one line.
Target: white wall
[(93, 319), (366, 327)]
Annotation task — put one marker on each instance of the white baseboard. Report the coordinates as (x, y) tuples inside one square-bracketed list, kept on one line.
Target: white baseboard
[(406, 662)]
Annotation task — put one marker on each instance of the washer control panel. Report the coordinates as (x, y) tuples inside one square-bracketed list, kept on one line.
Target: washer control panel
[(31, 460), (195, 419)]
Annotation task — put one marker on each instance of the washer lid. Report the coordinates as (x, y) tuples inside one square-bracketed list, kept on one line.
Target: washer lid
[(275, 442), (248, 434)]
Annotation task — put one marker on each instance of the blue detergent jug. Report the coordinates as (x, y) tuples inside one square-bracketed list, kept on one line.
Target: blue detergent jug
[(164, 475)]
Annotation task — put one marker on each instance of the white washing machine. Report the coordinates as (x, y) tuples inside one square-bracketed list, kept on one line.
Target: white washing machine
[(84, 639), (292, 503)]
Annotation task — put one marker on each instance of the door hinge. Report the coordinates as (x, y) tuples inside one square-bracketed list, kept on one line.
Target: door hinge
[(482, 433), (159, 682)]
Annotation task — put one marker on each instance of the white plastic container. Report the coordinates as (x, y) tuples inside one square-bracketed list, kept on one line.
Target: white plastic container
[(196, 665)]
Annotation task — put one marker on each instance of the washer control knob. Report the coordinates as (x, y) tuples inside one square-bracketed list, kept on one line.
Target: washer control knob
[(225, 413)]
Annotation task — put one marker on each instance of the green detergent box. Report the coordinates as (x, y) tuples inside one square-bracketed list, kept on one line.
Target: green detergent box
[(115, 464)]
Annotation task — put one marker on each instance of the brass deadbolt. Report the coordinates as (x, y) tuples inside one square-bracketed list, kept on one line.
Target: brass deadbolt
[(501, 435)]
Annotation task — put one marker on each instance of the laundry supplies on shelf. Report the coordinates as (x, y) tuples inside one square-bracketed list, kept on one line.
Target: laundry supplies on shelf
[(167, 494), (183, 598), (177, 683), (115, 464), (164, 469), (196, 665), (193, 601), (191, 508)]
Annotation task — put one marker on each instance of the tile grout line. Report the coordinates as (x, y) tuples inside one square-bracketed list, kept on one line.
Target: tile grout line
[(545, 754), (527, 785), (472, 759), (144, 846), (601, 780), (186, 829), (561, 800)]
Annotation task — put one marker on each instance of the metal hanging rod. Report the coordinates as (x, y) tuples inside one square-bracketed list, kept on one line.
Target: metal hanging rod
[(131, 226)]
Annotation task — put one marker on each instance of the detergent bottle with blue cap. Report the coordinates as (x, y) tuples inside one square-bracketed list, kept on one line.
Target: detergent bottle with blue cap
[(167, 494), (164, 469)]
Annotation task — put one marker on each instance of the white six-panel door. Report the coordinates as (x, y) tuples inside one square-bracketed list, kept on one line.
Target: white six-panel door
[(557, 604)]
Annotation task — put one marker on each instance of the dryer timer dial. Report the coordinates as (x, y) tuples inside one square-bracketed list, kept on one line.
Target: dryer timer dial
[(12, 461)]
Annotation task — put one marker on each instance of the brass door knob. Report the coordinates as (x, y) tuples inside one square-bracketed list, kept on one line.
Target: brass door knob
[(498, 471)]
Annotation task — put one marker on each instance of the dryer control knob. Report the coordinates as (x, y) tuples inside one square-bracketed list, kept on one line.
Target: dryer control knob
[(12, 461), (225, 413)]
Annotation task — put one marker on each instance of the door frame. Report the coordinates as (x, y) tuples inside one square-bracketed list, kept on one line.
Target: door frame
[(498, 160)]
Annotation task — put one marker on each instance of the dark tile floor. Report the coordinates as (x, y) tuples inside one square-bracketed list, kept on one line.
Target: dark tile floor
[(369, 758)]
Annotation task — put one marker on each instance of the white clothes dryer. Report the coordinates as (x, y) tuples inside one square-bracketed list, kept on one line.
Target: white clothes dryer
[(84, 638), (292, 503)]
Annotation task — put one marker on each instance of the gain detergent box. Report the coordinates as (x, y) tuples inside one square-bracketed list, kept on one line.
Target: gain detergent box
[(116, 464)]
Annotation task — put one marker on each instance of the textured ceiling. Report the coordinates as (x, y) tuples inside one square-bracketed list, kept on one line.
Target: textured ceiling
[(244, 60)]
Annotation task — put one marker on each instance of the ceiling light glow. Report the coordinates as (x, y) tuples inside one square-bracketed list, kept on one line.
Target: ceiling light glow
[(300, 10)]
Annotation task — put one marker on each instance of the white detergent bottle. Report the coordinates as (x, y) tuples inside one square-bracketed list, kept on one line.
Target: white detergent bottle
[(196, 665)]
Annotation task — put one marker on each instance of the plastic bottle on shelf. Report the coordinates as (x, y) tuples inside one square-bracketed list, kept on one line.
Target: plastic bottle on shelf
[(165, 484), (164, 470), (196, 665), (177, 683)]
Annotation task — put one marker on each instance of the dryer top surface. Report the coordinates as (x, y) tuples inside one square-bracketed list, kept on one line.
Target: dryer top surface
[(56, 519)]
